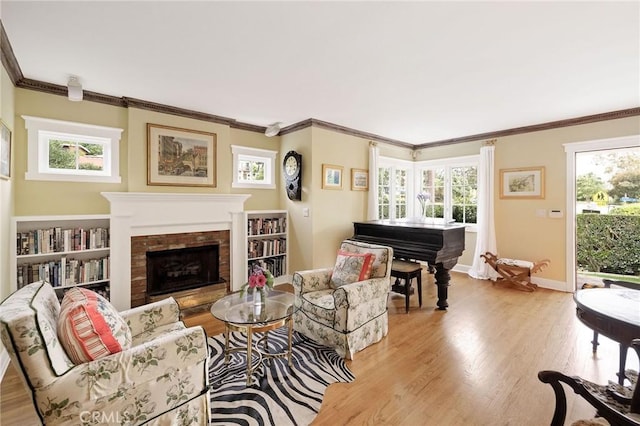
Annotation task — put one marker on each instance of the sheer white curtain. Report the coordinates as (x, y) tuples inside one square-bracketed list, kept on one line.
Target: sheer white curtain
[(372, 206), (486, 236)]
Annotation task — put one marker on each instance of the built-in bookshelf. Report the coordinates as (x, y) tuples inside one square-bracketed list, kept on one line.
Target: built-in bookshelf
[(267, 241), (66, 251)]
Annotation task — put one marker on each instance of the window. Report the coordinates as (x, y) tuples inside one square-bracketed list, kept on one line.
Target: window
[(253, 167), (464, 194), (394, 188), (445, 190), (431, 194), (67, 151), (448, 189)]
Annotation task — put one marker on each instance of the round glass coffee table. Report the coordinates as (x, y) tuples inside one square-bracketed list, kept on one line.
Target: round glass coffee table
[(241, 313)]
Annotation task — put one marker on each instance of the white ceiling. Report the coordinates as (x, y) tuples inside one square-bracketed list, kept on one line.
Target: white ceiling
[(416, 72)]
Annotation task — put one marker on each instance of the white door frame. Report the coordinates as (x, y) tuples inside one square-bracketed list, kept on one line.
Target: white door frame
[(571, 149)]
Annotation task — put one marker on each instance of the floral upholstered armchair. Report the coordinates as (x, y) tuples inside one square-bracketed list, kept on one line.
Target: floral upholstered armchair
[(158, 376), (345, 307)]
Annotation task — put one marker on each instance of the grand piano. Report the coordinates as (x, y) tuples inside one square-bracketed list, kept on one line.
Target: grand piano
[(438, 244)]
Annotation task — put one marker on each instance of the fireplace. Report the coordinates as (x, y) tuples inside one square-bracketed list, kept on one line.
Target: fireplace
[(148, 221), (179, 263), (182, 269)]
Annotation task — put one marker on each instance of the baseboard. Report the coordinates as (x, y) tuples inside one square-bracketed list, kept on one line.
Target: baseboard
[(4, 361), (541, 282), (461, 268), (550, 284)]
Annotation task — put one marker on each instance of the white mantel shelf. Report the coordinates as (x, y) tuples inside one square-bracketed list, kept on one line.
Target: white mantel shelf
[(155, 213), (161, 196)]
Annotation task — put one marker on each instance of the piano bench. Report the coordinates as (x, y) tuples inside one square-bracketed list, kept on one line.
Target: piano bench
[(407, 271)]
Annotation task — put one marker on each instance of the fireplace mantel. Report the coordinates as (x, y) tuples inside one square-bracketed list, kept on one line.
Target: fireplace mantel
[(145, 213)]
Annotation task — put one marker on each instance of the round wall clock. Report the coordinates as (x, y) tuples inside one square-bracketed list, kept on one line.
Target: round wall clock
[(292, 168)]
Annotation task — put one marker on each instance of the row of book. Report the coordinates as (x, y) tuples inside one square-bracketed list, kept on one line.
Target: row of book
[(262, 226), (271, 247), (276, 265), (54, 240), (64, 272), (102, 289)]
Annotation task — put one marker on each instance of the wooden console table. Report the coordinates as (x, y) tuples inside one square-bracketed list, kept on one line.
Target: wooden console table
[(614, 313)]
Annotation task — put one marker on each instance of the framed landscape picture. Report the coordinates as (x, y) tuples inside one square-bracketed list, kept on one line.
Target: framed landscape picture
[(522, 183), (331, 176), (359, 180), (180, 157), (5, 151)]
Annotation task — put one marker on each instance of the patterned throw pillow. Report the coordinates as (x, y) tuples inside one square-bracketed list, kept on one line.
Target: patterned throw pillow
[(351, 268), (89, 327)]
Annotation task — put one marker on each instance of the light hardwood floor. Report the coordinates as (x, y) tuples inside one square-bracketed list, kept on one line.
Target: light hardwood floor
[(475, 364)]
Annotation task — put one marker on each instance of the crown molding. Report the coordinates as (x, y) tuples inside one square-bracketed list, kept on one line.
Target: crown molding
[(168, 109), (296, 127), (12, 67), (246, 126), (8, 58), (314, 122), (612, 115)]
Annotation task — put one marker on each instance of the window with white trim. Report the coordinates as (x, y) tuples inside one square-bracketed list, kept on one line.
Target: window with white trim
[(444, 190), (448, 189), (253, 167), (67, 151), (394, 188)]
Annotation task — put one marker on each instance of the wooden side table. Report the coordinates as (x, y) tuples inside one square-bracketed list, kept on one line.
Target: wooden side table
[(407, 271)]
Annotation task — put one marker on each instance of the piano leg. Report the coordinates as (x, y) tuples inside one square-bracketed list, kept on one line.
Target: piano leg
[(442, 277)]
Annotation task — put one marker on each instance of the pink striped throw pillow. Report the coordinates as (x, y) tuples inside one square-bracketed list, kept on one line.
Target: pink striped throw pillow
[(89, 327)]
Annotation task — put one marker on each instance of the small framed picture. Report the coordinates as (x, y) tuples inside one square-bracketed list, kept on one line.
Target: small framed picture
[(359, 180), (180, 157), (331, 176), (5, 151), (522, 183)]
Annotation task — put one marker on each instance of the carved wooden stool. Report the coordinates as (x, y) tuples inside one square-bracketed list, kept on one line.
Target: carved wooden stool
[(407, 271)]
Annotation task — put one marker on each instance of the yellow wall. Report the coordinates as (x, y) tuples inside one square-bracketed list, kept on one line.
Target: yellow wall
[(334, 210), (447, 151), (59, 198), (225, 137), (313, 239), (301, 244), (394, 152), (520, 233), (7, 187), (48, 198)]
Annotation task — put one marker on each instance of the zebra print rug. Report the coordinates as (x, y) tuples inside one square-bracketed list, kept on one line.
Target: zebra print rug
[(279, 395)]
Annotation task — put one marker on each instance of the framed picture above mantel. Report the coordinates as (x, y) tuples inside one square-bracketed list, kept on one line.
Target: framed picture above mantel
[(522, 183), (180, 157)]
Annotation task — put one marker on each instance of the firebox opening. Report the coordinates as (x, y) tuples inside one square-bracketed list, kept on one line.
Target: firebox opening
[(182, 269)]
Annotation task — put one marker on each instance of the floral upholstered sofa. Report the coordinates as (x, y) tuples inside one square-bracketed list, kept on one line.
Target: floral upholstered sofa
[(160, 379), (348, 312)]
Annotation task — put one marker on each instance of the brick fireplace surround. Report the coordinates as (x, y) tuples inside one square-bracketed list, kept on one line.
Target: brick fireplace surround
[(140, 245), (176, 219)]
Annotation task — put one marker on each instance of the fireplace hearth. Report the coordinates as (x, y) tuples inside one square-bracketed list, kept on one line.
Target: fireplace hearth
[(182, 269)]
